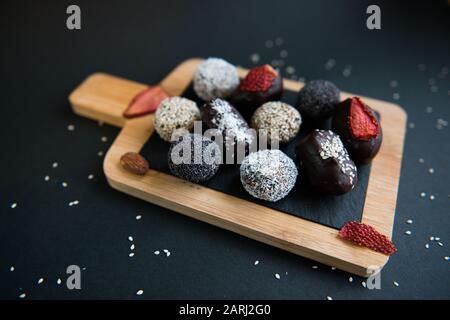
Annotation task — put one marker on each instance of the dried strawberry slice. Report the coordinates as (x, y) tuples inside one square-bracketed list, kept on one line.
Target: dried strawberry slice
[(259, 79), (367, 236), (146, 101), (363, 124)]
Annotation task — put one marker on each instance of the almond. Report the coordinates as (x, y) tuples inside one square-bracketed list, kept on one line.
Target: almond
[(134, 163)]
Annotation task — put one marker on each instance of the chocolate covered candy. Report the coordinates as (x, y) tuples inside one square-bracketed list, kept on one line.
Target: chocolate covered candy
[(262, 84), (359, 129), (326, 163), (317, 99)]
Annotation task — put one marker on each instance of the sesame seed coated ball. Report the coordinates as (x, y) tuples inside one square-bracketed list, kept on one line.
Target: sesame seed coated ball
[(277, 118), (194, 157), (215, 78), (268, 174), (175, 113), (317, 99)]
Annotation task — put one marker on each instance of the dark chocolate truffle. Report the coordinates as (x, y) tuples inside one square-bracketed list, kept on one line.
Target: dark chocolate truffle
[(359, 129), (277, 118), (220, 115), (317, 99), (268, 174), (215, 78), (262, 84), (326, 163), (194, 158)]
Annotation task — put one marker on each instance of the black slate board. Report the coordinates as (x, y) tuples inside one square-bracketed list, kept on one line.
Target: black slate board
[(332, 211)]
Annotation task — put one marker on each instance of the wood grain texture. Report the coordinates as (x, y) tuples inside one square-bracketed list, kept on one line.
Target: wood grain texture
[(104, 97)]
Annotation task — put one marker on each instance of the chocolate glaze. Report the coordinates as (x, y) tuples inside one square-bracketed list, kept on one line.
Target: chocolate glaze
[(248, 101), (361, 151), (334, 175)]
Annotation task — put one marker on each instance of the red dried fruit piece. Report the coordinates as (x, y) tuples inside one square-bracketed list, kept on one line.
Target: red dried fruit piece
[(363, 124), (259, 79), (367, 236), (146, 101)]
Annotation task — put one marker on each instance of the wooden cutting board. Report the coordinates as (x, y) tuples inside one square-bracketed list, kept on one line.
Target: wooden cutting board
[(104, 97)]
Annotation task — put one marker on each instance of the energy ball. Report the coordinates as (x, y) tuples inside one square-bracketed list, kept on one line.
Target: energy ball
[(317, 99), (194, 158), (326, 162), (277, 118), (260, 85), (175, 114), (215, 78), (359, 129), (268, 174), (220, 115)]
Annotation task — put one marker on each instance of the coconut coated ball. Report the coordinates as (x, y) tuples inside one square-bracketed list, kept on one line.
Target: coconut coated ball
[(175, 114), (277, 118), (215, 78), (268, 174), (317, 99), (194, 158)]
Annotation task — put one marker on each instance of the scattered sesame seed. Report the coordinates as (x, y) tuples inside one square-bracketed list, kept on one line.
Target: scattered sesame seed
[(13, 205), (256, 262), (11, 269), (132, 247), (364, 284), (431, 170), (427, 246), (315, 267), (440, 244), (279, 41), (131, 254), (58, 281), (333, 268), (40, 280), (432, 197), (130, 238), (437, 238), (46, 178), (156, 252), (393, 84), (431, 238), (277, 276), (70, 127), (429, 109), (140, 292), (254, 58), (73, 203), (167, 252), (407, 232), (100, 153), (283, 54), (91, 176), (347, 71), (421, 160), (447, 258), (423, 194), (395, 283), (329, 298), (138, 217), (396, 96), (350, 279), (22, 296), (55, 164), (64, 184), (330, 64), (411, 125), (104, 139), (409, 221)]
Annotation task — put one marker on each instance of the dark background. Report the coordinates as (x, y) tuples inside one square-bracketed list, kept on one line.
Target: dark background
[(42, 62)]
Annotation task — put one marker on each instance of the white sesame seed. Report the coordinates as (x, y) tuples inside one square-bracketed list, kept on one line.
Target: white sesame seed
[(421, 160), (408, 232), (13, 205), (46, 178), (350, 279), (138, 217), (393, 84), (100, 153), (283, 54), (279, 41), (437, 238), (104, 139), (91, 176), (167, 253), (64, 184), (447, 258), (11, 269), (427, 246), (396, 96), (409, 221), (140, 292), (315, 267), (429, 109), (423, 194), (58, 281), (431, 238), (440, 244), (333, 268), (395, 283), (55, 164), (165, 250), (432, 197), (156, 252), (131, 254), (411, 125), (130, 238), (70, 127), (256, 262), (132, 247), (347, 71), (431, 170), (22, 296), (330, 64), (40, 280), (254, 58), (329, 298), (277, 276), (364, 284)]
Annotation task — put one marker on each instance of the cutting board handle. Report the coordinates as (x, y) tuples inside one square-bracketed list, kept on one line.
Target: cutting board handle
[(104, 97)]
